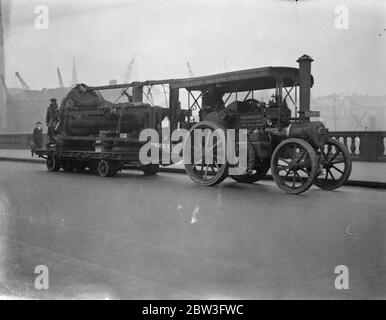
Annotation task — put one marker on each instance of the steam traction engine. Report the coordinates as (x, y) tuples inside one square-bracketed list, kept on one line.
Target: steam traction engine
[(95, 134), (296, 150)]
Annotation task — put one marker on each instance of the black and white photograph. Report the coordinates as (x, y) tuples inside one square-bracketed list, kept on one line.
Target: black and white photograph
[(191, 155)]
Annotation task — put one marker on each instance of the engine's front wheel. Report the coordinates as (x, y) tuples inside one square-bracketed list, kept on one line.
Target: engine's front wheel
[(294, 166), (335, 162)]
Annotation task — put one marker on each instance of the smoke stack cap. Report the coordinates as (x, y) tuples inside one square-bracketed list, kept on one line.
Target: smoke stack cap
[(304, 58)]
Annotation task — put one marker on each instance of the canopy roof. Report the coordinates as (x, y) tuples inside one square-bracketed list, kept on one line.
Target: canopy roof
[(243, 80)]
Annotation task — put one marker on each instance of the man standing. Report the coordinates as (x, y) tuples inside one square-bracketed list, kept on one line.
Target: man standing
[(37, 137), (51, 117)]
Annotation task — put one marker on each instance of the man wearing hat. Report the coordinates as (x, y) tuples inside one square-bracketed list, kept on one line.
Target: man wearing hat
[(37, 137), (51, 117)]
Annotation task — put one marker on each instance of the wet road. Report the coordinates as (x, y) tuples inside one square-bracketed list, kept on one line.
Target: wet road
[(164, 237)]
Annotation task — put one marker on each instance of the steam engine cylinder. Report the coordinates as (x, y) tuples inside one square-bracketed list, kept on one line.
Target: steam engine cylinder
[(314, 132)]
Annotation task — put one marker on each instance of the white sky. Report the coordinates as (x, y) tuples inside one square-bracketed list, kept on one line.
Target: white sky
[(214, 36)]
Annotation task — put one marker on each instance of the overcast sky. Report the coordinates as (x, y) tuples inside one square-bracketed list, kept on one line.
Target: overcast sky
[(214, 36)]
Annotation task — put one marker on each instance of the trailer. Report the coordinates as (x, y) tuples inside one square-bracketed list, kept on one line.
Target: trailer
[(94, 134)]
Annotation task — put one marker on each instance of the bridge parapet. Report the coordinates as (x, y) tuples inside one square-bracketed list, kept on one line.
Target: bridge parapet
[(15, 141), (363, 145)]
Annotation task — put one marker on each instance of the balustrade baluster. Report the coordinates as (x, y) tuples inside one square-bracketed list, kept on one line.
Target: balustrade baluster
[(357, 146), (349, 144)]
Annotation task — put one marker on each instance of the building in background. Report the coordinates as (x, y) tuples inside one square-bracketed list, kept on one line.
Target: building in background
[(341, 112)]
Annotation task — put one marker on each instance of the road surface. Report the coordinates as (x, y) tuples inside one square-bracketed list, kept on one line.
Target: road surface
[(163, 237)]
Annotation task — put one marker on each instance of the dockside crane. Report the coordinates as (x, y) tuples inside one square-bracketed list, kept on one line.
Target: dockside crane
[(27, 90), (129, 70), (60, 79), (23, 83), (191, 74), (6, 90)]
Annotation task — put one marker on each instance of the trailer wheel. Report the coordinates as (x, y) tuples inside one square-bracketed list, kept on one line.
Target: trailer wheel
[(52, 164), (150, 169), (106, 168), (294, 166)]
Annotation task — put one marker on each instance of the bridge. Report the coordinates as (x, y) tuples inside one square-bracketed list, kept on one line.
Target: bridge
[(164, 237)]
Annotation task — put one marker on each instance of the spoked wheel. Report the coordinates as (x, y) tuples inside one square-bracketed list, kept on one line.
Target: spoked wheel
[(68, 165), (106, 168), (52, 164), (206, 164), (294, 166), (150, 169), (335, 163)]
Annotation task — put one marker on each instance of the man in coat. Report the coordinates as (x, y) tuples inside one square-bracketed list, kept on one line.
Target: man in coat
[(52, 117), (37, 137)]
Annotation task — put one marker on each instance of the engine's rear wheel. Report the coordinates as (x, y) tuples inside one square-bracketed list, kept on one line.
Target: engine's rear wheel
[(53, 164), (294, 166), (207, 162), (335, 162)]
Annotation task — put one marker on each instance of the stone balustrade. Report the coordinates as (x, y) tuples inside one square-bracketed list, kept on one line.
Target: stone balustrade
[(362, 145)]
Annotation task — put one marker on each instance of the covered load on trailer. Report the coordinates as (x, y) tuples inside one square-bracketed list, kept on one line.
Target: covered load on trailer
[(94, 133), (84, 112)]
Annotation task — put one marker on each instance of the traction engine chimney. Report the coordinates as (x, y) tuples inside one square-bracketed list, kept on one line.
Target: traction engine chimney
[(305, 85)]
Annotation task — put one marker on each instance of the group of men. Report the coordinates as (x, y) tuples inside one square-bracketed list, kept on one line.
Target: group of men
[(51, 122)]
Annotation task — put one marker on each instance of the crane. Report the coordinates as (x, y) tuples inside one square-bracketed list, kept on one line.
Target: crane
[(27, 90), (60, 79), (191, 74), (74, 73), (129, 70), (23, 83), (5, 86)]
